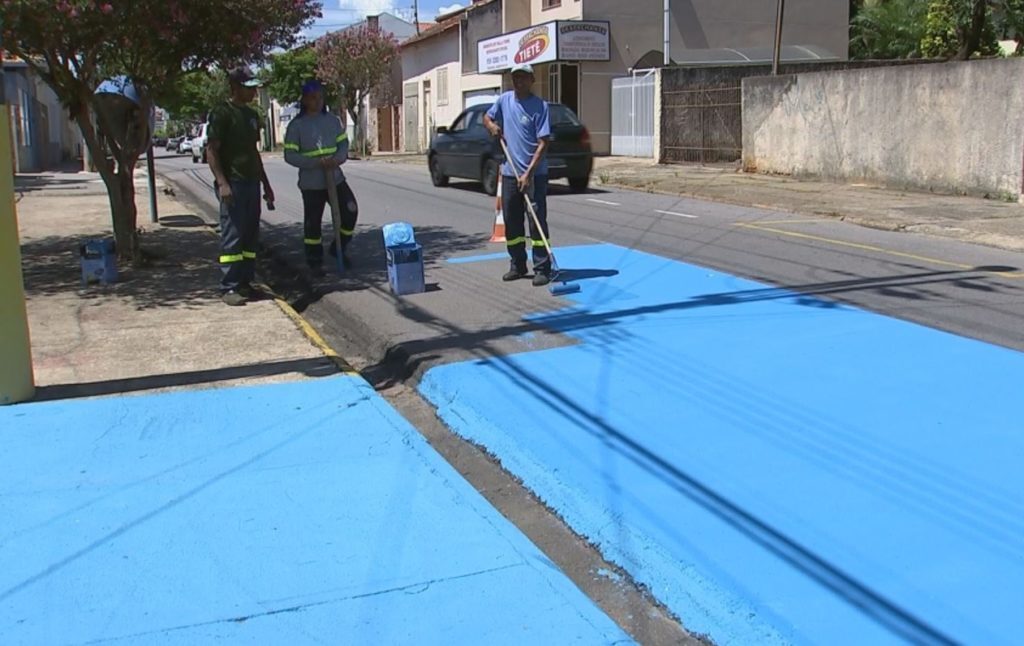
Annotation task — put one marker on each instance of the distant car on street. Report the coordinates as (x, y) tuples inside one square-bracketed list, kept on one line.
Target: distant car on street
[(159, 142), (199, 144), (468, 151), (172, 144), (185, 146)]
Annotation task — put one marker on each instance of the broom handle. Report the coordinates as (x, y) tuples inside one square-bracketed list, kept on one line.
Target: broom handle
[(529, 205), (332, 196)]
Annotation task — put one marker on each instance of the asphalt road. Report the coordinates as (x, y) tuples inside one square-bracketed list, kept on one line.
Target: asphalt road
[(965, 289)]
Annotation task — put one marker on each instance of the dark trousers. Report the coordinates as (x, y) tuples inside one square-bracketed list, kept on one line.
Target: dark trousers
[(313, 203), (239, 234), (514, 208)]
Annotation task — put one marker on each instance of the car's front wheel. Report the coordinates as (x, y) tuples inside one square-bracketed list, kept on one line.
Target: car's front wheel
[(437, 176), (579, 184), (491, 176)]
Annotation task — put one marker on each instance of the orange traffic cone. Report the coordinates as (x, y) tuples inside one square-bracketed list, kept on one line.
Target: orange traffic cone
[(498, 235)]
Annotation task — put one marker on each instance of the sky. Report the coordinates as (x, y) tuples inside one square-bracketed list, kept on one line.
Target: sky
[(339, 13)]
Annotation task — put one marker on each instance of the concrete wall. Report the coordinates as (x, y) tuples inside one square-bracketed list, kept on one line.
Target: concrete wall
[(421, 62), (950, 127), (703, 119), (516, 14), (481, 23), (568, 10)]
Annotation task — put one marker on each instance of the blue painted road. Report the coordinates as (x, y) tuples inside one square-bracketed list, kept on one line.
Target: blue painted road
[(776, 467), (308, 512)]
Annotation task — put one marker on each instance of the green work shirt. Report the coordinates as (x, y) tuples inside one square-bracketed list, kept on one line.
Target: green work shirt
[(237, 128)]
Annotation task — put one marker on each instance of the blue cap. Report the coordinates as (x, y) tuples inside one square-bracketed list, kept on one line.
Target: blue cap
[(312, 86)]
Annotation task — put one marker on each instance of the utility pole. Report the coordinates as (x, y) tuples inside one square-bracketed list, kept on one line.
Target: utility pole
[(778, 38), (668, 33), (416, 15)]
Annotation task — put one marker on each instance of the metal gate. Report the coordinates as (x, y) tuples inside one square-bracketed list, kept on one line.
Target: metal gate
[(702, 124), (633, 115), (410, 107)]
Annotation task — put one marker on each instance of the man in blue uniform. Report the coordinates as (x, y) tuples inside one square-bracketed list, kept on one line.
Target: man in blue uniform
[(521, 117)]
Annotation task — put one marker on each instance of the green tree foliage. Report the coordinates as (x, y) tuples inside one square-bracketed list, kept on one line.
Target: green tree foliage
[(888, 30), (959, 29), (194, 94), (354, 62)]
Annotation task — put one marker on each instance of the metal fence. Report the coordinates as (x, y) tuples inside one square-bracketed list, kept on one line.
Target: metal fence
[(633, 115)]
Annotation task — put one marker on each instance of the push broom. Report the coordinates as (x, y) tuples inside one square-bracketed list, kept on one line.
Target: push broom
[(556, 290), (332, 197)]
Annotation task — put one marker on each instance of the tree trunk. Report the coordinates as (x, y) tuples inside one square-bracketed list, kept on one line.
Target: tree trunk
[(118, 177), (124, 213), (970, 42)]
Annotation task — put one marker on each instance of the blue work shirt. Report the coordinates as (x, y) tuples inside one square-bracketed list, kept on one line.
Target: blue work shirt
[(524, 122)]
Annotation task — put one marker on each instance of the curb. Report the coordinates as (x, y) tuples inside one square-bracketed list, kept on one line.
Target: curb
[(300, 322)]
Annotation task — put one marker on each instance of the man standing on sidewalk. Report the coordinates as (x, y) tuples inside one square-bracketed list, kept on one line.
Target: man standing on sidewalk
[(522, 118), (316, 144), (233, 153)]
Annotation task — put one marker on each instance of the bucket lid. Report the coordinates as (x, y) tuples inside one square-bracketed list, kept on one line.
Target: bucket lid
[(398, 233)]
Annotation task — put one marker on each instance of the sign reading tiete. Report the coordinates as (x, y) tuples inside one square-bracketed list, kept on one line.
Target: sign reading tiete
[(565, 41)]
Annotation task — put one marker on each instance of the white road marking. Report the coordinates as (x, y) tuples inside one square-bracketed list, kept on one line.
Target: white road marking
[(590, 199), (682, 215)]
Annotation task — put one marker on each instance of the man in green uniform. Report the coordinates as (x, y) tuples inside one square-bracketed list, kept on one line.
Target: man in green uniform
[(233, 153)]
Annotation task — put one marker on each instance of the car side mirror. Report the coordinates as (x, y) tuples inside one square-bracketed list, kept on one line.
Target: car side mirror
[(442, 130)]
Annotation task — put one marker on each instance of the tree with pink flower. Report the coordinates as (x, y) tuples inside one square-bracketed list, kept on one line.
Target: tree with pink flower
[(354, 62), (76, 45)]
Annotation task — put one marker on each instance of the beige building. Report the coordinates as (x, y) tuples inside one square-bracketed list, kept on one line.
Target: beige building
[(436, 83), (578, 46)]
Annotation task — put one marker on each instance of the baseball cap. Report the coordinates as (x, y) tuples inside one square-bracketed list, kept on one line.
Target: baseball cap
[(312, 86), (525, 68), (244, 77)]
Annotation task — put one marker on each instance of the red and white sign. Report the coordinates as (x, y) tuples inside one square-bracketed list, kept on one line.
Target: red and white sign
[(534, 45)]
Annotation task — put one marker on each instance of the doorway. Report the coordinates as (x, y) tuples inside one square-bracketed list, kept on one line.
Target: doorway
[(428, 117), (564, 85)]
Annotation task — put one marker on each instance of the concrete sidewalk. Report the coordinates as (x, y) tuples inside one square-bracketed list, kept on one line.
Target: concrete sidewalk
[(295, 506), (992, 222), (158, 327)]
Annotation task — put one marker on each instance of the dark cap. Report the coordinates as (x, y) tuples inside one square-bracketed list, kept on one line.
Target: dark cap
[(244, 77), (311, 86)]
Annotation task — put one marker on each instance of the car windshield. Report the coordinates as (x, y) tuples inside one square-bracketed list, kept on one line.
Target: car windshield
[(563, 116)]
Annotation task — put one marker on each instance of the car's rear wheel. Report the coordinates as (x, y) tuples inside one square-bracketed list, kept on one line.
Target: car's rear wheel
[(579, 184), (437, 176), (491, 176)]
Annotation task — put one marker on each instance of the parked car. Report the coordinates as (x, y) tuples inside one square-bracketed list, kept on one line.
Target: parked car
[(468, 151), (185, 146), (159, 142), (199, 144), (172, 144)]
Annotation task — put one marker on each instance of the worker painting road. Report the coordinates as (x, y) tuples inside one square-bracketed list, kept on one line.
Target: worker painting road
[(778, 468)]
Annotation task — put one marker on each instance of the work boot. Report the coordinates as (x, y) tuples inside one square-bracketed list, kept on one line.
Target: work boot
[(251, 293), (515, 273), (234, 298), (541, 278)]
